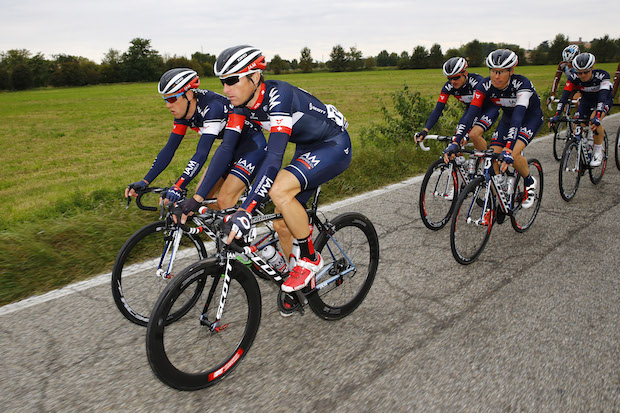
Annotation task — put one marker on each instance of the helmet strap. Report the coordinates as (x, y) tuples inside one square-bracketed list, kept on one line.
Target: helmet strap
[(253, 93), (188, 104)]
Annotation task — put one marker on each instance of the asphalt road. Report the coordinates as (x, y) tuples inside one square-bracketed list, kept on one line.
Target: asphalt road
[(532, 326)]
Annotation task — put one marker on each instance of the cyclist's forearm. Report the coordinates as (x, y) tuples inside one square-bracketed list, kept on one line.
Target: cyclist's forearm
[(164, 157)]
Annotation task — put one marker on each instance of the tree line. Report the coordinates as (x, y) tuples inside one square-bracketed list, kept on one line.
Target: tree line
[(20, 69)]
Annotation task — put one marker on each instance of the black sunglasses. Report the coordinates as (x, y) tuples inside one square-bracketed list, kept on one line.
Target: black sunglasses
[(233, 80), (454, 77)]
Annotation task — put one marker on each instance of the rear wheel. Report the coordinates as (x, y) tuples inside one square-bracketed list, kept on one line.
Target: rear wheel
[(523, 218), (352, 255), (618, 149), (570, 171), (472, 221), (596, 173), (438, 194), (559, 138), (191, 353)]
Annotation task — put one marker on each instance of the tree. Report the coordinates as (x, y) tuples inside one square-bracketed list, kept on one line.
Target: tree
[(383, 58), (111, 67), (337, 59), (435, 58), (354, 59), (5, 81), (370, 63), (604, 49), (555, 49), (203, 58), (474, 53), (277, 65), (305, 62), (404, 61), (419, 58), (141, 62), (21, 77), (540, 55), (452, 53)]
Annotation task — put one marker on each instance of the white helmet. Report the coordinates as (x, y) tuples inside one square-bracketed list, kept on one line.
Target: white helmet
[(239, 59), (502, 59), (584, 61), (569, 53), (454, 66)]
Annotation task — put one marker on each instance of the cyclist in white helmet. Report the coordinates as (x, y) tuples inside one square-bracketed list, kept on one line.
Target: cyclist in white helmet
[(206, 112), (461, 84), (596, 99), (322, 151), (521, 119), (565, 67)]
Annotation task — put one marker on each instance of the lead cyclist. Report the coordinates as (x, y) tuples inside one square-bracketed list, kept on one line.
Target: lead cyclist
[(322, 151)]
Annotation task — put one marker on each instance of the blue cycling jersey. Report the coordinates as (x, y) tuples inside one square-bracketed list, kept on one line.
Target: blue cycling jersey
[(516, 100), (290, 114), (596, 91), (209, 120), (464, 94)]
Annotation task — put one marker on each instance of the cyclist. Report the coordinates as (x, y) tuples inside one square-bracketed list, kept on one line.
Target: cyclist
[(565, 66), (616, 83), (522, 116), (205, 112), (461, 84), (323, 151), (596, 100)]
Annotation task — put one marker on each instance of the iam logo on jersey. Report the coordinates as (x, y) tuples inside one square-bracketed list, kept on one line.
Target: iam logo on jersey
[(245, 166), (308, 160)]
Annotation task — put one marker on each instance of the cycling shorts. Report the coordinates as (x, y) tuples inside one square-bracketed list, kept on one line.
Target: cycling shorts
[(488, 116), (248, 156), (532, 121), (317, 163), (587, 106)]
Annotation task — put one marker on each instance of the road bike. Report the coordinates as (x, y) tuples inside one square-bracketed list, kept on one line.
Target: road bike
[(489, 198), (576, 160), (150, 258), (216, 302), (441, 185), (563, 128)]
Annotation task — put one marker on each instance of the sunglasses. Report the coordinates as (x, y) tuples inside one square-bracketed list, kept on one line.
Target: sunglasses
[(454, 77), (233, 80), (583, 73), (173, 98)]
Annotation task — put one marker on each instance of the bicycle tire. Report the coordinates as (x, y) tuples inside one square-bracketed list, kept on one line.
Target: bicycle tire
[(472, 221), (187, 355), (570, 171), (618, 149), (357, 237), (135, 283), (559, 138), (435, 205), (596, 173), (522, 219)]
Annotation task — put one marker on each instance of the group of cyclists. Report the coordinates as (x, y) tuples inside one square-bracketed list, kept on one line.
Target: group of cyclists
[(246, 161)]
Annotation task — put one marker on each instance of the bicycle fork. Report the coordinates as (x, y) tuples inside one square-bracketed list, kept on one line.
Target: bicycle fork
[(170, 244)]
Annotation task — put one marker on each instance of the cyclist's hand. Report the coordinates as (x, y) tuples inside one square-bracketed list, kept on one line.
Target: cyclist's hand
[(419, 136), (241, 222), (550, 100), (506, 159), (188, 208), (450, 151), (595, 122), (553, 120), (131, 188), (173, 194)]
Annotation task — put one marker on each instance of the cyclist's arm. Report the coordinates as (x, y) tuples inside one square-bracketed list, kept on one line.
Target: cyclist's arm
[(436, 113), (523, 103), (198, 160), (556, 79), (223, 155), (566, 94), (472, 112), (167, 153), (604, 96), (616, 82)]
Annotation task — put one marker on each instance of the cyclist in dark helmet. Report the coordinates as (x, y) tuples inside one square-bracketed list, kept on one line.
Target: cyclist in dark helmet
[(322, 151), (522, 116), (596, 99), (206, 112), (461, 84), (564, 67)]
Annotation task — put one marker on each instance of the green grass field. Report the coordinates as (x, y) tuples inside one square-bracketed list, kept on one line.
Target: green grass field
[(68, 153)]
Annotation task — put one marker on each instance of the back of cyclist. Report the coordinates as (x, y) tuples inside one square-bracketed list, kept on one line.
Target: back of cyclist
[(207, 113), (522, 116), (616, 83), (290, 114), (564, 67), (461, 84), (596, 99)]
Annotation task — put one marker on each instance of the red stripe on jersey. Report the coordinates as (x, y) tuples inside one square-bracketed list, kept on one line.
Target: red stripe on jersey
[(569, 86), (235, 121), (443, 98), (280, 128), (179, 129), (478, 98)]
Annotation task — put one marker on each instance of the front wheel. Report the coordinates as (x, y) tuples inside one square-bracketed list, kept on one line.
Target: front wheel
[(472, 221), (351, 255), (523, 218), (559, 139), (144, 267), (618, 149), (438, 194), (192, 353), (570, 171), (596, 173)]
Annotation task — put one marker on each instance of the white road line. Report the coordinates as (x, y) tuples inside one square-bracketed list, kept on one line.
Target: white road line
[(105, 278)]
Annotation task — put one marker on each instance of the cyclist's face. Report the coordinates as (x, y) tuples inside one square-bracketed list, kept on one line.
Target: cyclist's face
[(242, 90), (501, 77), (584, 75), (458, 81), (178, 107)]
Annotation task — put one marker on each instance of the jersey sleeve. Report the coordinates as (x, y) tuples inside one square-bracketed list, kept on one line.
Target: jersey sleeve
[(439, 107), (524, 94), (167, 152), (472, 112), (556, 79)]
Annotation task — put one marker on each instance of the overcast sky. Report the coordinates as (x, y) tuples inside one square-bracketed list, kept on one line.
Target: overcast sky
[(91, 28)]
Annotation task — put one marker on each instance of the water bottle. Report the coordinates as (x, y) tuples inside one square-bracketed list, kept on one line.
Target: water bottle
[(460, 160), (275, 259), (471, 166), (500, 181), (510, 184), (590, 144)]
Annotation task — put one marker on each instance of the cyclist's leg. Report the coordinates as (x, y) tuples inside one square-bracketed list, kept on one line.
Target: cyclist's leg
[(230, 192), (487, 119)]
